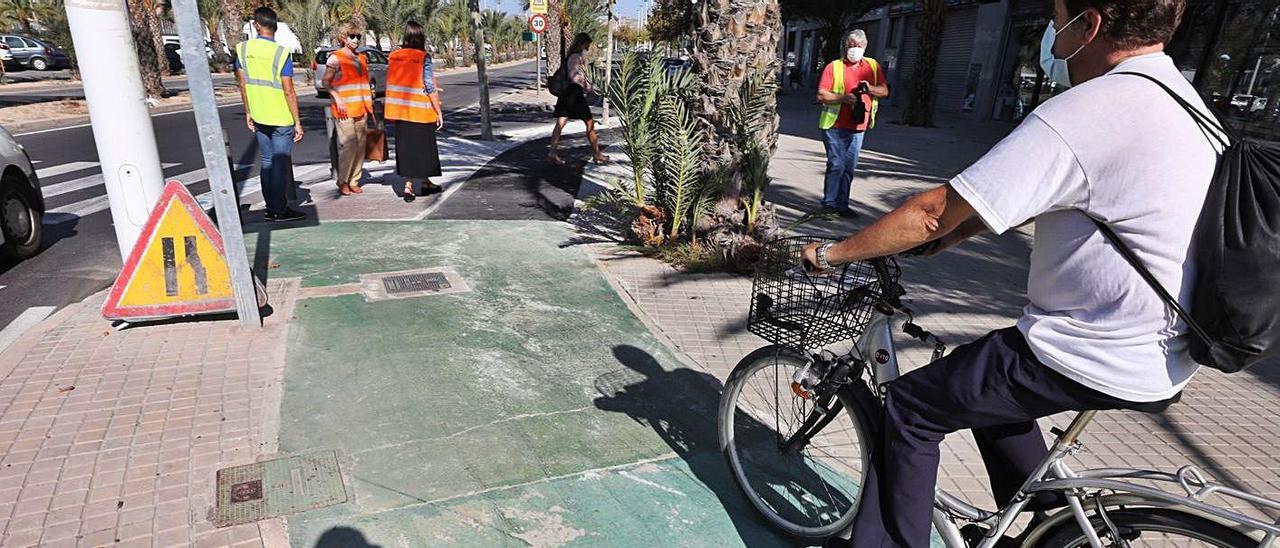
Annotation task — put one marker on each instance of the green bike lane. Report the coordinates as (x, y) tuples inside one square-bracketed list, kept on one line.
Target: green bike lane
[(532, 409)]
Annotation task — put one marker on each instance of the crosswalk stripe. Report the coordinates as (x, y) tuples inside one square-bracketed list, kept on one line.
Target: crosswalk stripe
[(99, 203), (54, 171), (58, 189)]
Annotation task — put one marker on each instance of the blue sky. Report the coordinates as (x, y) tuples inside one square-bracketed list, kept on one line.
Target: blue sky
[(626, 8)]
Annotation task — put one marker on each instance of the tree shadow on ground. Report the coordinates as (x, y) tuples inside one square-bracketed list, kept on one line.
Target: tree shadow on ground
[(681, 405)]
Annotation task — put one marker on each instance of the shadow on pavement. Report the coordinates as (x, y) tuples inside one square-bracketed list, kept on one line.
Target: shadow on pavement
[(344, 537), (681, 406)]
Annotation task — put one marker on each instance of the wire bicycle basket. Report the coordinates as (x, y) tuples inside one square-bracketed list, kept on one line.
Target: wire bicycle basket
[(793, 308)]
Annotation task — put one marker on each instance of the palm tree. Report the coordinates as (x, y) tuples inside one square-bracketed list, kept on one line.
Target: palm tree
[(149, 42), (309, 21), (920, 97), (233, 22), (477, 28), (19, 13), (734, 40), (387, 17), (211, 16), (447, 24), (836, 15)]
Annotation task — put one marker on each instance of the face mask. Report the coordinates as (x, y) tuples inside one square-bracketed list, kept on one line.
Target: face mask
[(855, 54), (1054, 68)]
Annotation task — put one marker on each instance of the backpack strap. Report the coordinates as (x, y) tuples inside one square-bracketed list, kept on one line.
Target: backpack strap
[(1134, 261), (1209, 124)]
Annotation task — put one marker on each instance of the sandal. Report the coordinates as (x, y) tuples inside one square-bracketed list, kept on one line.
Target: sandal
[(429, 188), (408, 194), (602, 160), (555, 159), (356, 189), (344, 190)]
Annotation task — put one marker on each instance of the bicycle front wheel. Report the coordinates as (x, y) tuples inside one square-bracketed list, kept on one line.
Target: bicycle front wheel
[(1151, 527), (808, 490)]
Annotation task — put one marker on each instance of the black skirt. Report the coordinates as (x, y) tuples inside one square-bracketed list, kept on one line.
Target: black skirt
[(416, 154), (573, 104)]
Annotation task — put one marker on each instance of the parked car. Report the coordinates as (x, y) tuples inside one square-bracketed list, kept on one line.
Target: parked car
[(173, 53), (377, 70), (33, 53), (21, 201)]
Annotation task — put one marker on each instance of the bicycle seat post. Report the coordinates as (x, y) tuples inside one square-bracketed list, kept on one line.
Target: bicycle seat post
[(1076, 427)]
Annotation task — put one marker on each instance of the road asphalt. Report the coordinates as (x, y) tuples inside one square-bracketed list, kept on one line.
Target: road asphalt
[(80, 255)]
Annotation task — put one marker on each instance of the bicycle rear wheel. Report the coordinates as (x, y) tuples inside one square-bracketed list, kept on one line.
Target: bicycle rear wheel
[(1152, 527), (810, 493)]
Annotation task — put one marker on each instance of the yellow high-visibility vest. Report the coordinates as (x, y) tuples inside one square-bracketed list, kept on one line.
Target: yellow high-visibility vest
[(263, 87), (830, 113)]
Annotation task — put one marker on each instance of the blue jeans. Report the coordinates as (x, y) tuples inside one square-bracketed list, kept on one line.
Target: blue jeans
[(275, 144), (843, 146)]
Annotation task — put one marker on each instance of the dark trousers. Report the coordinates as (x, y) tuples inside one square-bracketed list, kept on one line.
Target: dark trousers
[(996, 387), (275, 146)]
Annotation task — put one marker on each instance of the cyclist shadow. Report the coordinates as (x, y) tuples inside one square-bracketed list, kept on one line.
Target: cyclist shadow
[(680, 405)]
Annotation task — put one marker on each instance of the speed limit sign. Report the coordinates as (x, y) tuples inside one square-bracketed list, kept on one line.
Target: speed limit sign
[(537, 23)]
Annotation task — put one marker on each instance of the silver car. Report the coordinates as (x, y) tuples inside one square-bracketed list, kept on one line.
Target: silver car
[(21, 201), (377, 70)]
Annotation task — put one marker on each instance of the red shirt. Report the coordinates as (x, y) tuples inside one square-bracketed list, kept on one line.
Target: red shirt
[(853, 74)]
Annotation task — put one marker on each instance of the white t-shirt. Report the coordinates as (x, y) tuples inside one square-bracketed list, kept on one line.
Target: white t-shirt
[(1121, 150)]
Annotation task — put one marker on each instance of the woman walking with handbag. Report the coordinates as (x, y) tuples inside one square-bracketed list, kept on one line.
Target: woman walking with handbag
[(413, 101), (347, 79), (572, 104)]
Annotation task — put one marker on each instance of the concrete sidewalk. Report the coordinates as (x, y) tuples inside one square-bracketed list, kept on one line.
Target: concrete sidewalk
[(1229, 425)]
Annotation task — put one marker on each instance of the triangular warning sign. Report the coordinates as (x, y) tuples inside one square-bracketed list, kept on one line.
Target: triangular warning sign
[(178, 267)]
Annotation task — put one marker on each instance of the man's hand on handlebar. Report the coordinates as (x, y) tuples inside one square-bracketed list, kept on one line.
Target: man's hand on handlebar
[(809, 258)]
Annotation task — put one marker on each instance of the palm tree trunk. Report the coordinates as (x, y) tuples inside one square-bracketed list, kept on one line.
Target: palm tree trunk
[(215, 39), (920, 97), (733, 39), (149, 57), (477, 32), (554, 35), (233, 22), (157, 40)]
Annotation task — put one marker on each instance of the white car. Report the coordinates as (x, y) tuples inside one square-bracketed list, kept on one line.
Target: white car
[(21, 201)]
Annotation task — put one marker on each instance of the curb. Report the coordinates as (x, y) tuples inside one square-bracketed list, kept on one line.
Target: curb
[(68, 123)]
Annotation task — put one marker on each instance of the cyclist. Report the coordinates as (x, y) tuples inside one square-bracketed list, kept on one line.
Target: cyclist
[(1094, 335)]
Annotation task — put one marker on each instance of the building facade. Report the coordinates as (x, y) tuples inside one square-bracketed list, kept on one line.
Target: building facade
[(988, 65)]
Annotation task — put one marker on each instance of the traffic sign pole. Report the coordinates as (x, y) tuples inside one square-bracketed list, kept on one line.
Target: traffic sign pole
[(608, 67), (209, 126)]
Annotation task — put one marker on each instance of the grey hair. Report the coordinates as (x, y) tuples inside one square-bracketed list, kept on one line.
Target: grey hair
[(856, 35)]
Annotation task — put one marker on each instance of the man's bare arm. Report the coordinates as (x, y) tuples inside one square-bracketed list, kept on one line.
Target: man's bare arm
[(926, 217)]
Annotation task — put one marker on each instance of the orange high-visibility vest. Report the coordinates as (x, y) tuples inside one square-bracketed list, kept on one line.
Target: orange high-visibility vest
[(351, 86), (406, 99)]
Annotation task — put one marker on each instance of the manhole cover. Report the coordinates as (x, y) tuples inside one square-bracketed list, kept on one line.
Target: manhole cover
[(412, 283), (409, 283), (278, 487)]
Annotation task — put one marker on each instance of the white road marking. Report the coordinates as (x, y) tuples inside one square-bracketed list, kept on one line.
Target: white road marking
[(99, 203), (68, 167), (58, 189), (26, 320)]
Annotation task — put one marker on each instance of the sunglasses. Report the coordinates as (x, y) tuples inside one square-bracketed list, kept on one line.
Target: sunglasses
[(353, 36)]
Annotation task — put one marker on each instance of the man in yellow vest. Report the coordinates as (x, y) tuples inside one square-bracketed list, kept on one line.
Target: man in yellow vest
[(265, 72), (850, 91)]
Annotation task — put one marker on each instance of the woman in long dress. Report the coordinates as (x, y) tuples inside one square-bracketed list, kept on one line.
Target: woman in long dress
[(572, 105), (413, 101)]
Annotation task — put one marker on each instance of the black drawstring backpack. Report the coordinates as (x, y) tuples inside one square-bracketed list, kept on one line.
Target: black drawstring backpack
[(1235, 309)]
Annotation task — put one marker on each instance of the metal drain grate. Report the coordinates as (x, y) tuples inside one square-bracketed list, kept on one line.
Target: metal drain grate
[(410, 283), (278, 487), (407, 284)]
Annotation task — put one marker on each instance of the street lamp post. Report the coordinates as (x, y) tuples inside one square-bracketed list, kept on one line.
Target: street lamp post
[(122, 132), (608, 65)]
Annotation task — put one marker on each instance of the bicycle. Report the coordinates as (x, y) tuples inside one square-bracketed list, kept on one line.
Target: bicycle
[(796, 453)]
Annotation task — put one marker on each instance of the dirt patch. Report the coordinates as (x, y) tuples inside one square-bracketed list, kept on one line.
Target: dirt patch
[(78, 108)]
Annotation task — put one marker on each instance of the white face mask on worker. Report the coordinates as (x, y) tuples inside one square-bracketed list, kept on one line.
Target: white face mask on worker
[(855, 54)]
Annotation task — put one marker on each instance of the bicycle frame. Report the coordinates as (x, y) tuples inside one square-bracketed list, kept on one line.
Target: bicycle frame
[(876, 347)]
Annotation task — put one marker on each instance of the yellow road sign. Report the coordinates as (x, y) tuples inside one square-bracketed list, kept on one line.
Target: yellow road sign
[(537, 6), (177, 268)]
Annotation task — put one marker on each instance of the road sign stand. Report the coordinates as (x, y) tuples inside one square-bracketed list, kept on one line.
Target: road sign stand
[(191, 34)]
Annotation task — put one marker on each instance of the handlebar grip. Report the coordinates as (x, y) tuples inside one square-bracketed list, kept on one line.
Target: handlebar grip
[(914, 330)]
